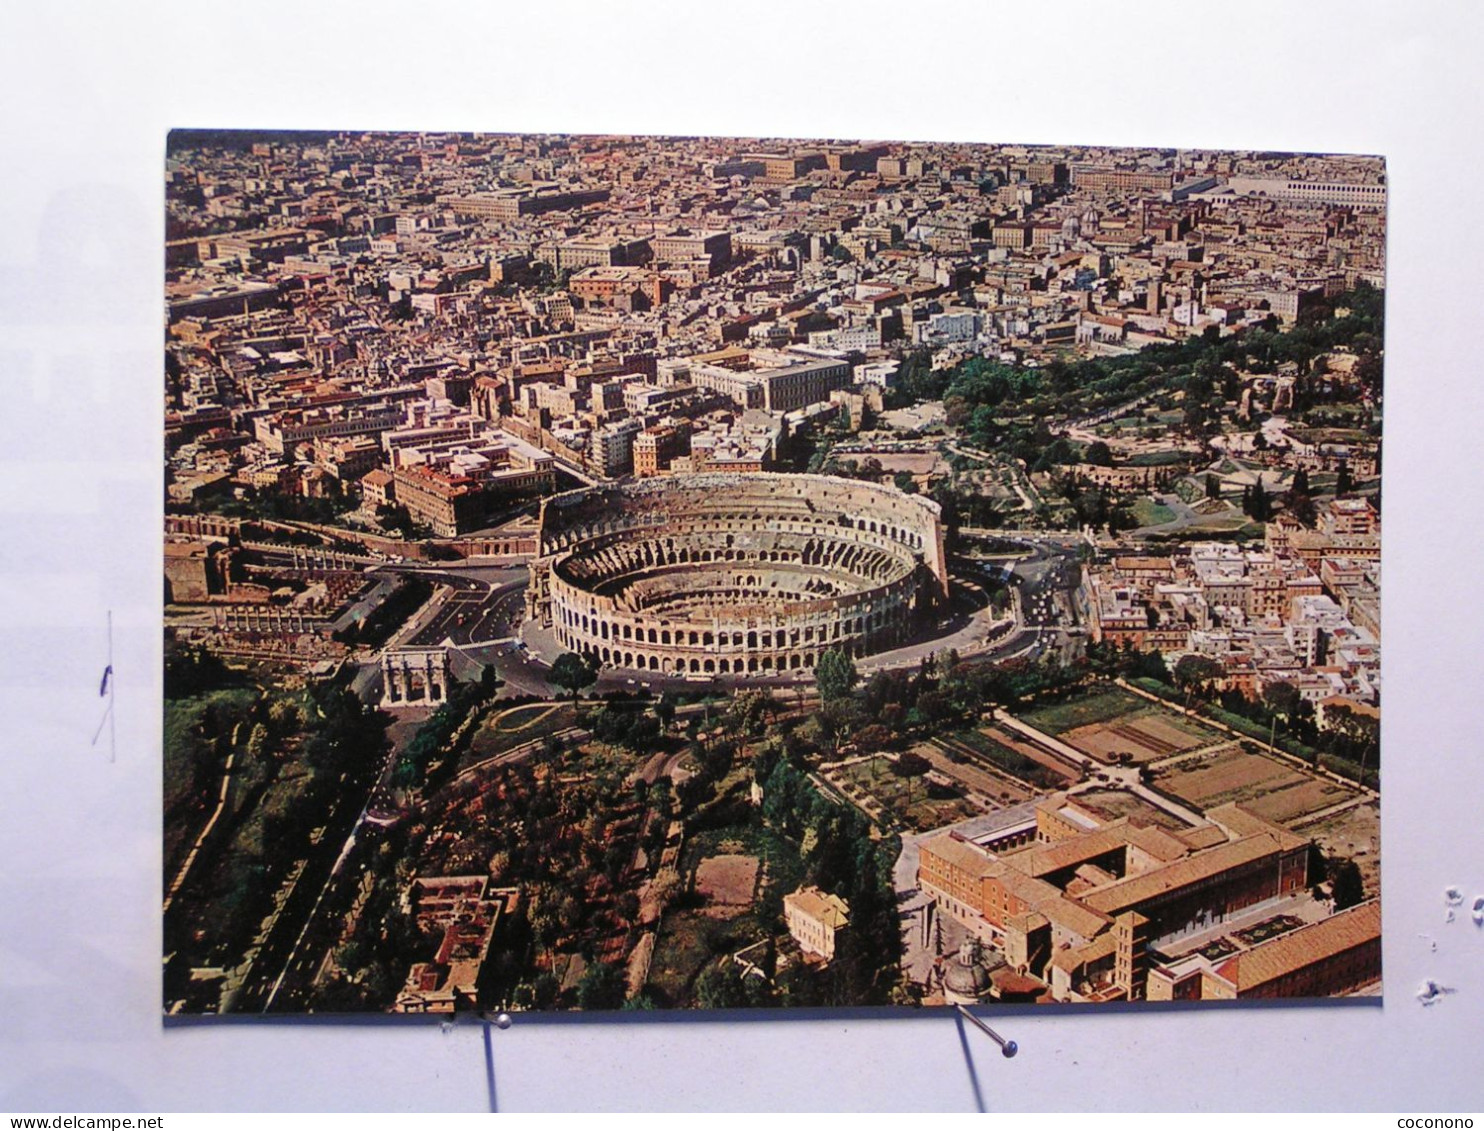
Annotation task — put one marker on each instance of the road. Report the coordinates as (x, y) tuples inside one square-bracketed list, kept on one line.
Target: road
[(1044, 577), (476, 606), (482, 615), (1184, 516), (479, 613), (1047, 621)]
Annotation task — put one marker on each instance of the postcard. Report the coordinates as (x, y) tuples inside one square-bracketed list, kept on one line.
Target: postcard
[(647, 573)]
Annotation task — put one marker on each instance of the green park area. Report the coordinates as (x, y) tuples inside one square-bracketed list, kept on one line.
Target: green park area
[(1147, 512), (975, 746), (1098, 704), (502, 731), (897, 791)]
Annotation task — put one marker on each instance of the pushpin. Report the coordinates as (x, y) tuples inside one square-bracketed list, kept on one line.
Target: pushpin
[(1009, 1048)]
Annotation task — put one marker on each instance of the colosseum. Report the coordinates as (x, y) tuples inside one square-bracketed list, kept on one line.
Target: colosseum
[(735, 574)]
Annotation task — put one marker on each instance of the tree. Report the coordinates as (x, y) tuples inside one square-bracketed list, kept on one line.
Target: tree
[(664, 711), (540, 994), (911, 767), (905, 483), (1368, 372), (1255, 502), (258, 743), (749, 712), (1344, 481), (190, 670), (835, 675), (1358, 735), (721, 987), (1098, 453), (602, 987), (1301, 506), (1282, 698), (396, 518), (874, 737), (1195, 672), (1197, 417), (573, 672), (1345, 883)]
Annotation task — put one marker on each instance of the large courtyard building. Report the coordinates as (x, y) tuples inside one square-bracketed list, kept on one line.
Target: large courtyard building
[(454, 490), (511, 204), (775, 381), (1086, 903)]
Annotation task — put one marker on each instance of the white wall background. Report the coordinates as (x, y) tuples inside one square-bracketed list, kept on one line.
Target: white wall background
[(89, 93)]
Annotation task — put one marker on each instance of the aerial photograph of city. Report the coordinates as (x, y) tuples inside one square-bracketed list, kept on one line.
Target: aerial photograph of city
[(649, 573)]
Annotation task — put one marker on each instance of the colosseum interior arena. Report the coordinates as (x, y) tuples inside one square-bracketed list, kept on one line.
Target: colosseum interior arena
[(735, 575)]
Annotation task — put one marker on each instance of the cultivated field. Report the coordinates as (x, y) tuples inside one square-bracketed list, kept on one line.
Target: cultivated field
[(1147, 735), (1309, 796), (1265, 786), (1005, 750), (727, 881), (914, 463), (1112, 804)]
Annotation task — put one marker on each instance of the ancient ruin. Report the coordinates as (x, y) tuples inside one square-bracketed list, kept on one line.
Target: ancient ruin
[(414, 677), (732, 574)]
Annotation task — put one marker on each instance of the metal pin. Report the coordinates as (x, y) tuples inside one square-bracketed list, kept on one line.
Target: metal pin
[(1009, 1048), (498, 1020)]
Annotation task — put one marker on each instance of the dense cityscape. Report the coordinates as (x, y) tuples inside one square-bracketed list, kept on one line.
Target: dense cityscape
[(647, 573)]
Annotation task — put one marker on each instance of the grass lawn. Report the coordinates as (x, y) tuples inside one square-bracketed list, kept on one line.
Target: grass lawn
[(1149, 513), (1189, 490), (495, 734), (511, 720), (1157, 459), (1098, 705)]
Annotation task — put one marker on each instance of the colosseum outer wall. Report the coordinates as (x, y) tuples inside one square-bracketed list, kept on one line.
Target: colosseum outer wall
[(728, 575)]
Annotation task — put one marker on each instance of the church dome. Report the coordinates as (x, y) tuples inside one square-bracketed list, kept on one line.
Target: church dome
[(966, 979)]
